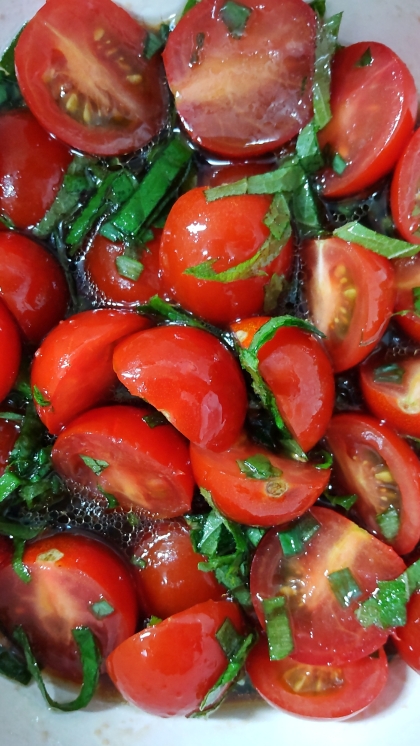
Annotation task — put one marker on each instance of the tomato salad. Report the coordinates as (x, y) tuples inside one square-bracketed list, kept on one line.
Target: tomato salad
[(209, 325)]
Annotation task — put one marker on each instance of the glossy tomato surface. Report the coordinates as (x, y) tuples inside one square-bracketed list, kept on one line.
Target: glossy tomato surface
[(32, 166), (167, 669), (317, 691), (10, 350), (373, 462), (83, 74), (407, 279), (189, 376), (325, 632), (407, 638), (142, 467), (243, 94), (374, 108), (72, 370), (405, 191), (227, 232), (32, 284), (72, 576), (350, 293)]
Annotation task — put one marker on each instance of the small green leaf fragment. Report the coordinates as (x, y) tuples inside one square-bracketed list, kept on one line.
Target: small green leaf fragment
[(155, 419), (366, 59), (338, 164), (138, 562), (392, 600), (322, 460), (95, 464), (391, 248), (294, 538), (344, 586), (277, 624), (12, 666), (319, 6), (390, 373), (101, 609), (129, 268), (235, 17), (258, 467), (343, 501), (111, 499), (39, 398), (416, 299), (17, 560), (389, 523), (155, 41)]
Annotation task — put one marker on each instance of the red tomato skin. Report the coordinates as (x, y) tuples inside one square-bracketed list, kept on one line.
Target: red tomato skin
[(108, 285), (32, 284), (348, 434), (189, 376), (395, 403), (404, 189), (73, 367), (407, 638), (148, 468), (370, 146), (369, 277), (58, 53), (407, 277), (168, 669), (59, 596), (362, 681), (171, 579), (230, 231), (297, 370), (257, 502), (10, 348), (255, 83), (32, 166), (324, 632), (9, 431)]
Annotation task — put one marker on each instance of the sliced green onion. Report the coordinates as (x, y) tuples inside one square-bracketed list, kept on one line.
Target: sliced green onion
[(366, 59), (39, 398), (235, 17), (277, 625), (390, 373), (344, 586), (17, 560), (294, 538), (258, 467), (101, 609), (128, 267), (391, 248), (389, 523), (95, 464)]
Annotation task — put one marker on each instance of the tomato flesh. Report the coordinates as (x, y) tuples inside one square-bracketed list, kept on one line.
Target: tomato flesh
[(9, 431), (11, 349), (405, 194), (407, 279), (407, 638)]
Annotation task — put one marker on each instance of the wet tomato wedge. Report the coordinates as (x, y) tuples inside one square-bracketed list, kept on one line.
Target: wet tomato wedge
[(75, 581), (374, 108), (251, 485), (241, 94), (407, 282), (167, 669), (84, 75), (225, 232), (350, 293), (167, 575), (32, 166), (32, 284), (373, 462), (10, 350), (317, 691), (405, 197), (407, 639), (9, 431), (113, 451), (325, 630), (189, 376), (72, 370)]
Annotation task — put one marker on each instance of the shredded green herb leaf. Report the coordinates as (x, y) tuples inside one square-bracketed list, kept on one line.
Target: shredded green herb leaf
[(294, 538), (277, 625), (389, 373), (344, 586), (235, 17), (258, 467), (96, 464), (389, 523), (391, 248)]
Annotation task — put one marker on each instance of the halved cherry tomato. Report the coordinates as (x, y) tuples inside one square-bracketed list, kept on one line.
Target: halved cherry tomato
[(10, 350), (84, 75), (248, 95), (167, 575), (228, 231), (32, 284), (407, 638), (317, 691), (405, 194), (350, 292), (72, 370), (371, 461), (189, 376), (374, 108), (9, 431), (32, 166), (140, 466), (325, 632), (254, 500), (390, 387), (407, 282), (105, 280), (75, 581), (168, 669)]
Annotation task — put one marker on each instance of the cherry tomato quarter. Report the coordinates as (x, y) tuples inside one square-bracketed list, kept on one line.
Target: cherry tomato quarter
[(10, 350), (84, 75), (189, 376), (248, 95), (407, 280), (405, 191)]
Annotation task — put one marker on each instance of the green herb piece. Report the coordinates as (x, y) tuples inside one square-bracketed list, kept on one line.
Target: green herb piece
[(392, 600), (412, 575), (96, 464), (319, 6), (138, 562), (326, 46), (258, 467), (389, 523), (154, 620), (366, 59), (128, 267), (155, 419), (322, 460), (101, 609), (155, 41), (39, 397), (9, 482), (111, 499), (305, 212), (235, 17), (12, 666), (17, 560), (344, 587), (308, 150), (338, 164), (199, 44), (255, 534), (133, 519), (90, 659), (391, 248), (269, 329), (368, 613), (285, 179), (190, 4), (343, 501), (416, 299), (10, 95), (13, 416), (294, 538), (277, 625), (391, 373), (272, 292), (19, 530)]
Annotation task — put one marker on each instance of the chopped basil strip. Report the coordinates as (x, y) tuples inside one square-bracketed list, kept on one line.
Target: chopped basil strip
[(235, 17), (319, 6), (286, 179), (338, 164), (155, 41), (269, 329), (12, 666), (9, 482), (308, 150), (97, 465), (129, 268), (101, 609), (10, 95), (344, 586), (39, 397), (14, 416), (154, 620), (391, 373), (366, 59), (138, 562), (19, 530), (416, 299), (155, 419), (279, 633), (391, 248), (386, 606), (17, 560), (294, 538), (90, 659), (322, 460), (111, 499), (258, 467), (343, 501), (326, 46), (190, 4), (389, 523)]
